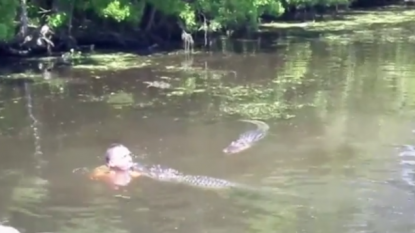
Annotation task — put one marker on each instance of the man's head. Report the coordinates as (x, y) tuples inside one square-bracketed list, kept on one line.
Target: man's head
[(119, 157)]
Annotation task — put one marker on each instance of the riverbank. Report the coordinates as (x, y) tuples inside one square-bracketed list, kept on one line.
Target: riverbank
[(348, 26)]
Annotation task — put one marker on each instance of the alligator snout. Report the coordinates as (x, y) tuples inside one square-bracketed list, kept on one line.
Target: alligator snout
[(236, 147)]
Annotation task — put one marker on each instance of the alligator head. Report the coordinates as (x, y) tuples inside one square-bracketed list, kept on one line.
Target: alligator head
[(245, 141), (237, 146)]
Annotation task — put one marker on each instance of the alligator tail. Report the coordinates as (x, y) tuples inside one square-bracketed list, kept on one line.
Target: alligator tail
[(262, 191), (264, 127)]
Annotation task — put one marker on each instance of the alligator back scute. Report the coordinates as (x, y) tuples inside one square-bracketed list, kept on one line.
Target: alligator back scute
[(161, 173), (206, 182), (158, 172)]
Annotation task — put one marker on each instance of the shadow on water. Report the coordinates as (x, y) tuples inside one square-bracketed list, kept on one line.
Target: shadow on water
[(331, 105)]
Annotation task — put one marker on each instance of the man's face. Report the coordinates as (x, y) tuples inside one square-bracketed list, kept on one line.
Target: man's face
[(119, 157)]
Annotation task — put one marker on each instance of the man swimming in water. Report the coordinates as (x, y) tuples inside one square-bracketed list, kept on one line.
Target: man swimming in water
[(118, 169), (119, 160)]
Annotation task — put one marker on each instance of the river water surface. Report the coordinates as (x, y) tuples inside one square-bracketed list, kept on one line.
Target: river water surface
[(334, 108)]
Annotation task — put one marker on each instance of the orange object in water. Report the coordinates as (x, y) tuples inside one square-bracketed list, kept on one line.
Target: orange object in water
[(119, 178)]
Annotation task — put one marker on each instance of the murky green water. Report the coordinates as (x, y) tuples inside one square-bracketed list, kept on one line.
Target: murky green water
[(333, 108)]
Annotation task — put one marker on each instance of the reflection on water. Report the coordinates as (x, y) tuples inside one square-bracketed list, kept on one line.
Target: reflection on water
[(34, 124), (333, 115)]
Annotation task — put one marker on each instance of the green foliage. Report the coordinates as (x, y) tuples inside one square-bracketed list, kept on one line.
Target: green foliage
[(118, 10), (172, 7), (8, 10), (221, 14), (188, 16), (57, 20)]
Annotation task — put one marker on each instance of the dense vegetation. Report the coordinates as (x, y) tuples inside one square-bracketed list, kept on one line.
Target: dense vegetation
[(27, 26)]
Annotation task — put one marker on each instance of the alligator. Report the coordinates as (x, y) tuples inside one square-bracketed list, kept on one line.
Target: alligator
[(249, 138), (160, 173), (119, 158)]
